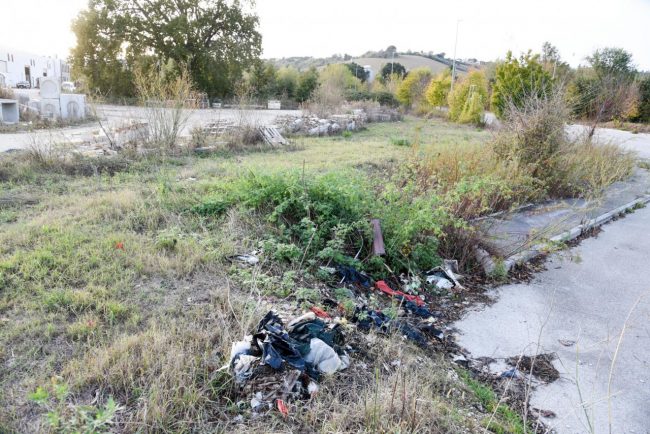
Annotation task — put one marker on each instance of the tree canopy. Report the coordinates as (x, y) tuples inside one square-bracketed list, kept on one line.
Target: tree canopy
[(393, 68), (518, 78), (214, 39)]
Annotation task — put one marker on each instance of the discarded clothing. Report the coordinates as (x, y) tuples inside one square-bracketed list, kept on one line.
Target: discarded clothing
[(383, 287), (350, 275)]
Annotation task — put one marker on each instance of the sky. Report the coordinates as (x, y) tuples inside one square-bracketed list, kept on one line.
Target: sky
[(487, 29)]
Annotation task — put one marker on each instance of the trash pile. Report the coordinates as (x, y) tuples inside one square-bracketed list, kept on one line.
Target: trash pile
[(279, 363), (283, 360)]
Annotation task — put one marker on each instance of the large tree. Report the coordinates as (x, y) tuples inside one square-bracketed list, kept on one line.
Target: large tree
[(214, 39)]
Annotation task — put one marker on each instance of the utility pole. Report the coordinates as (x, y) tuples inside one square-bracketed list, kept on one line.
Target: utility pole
[(453, 69)]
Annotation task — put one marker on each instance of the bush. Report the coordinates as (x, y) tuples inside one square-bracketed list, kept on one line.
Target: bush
[(411, 92), (325, 219), (392, 68), (533, 135), (644, 99), (466, 102), (164, 97), (383, 98), (439, 88), (517, 80)]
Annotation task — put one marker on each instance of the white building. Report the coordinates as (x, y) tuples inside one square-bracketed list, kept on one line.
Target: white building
[(17, 66)]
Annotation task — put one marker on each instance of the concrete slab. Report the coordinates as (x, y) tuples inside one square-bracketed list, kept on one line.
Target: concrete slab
[(9, 112), (118, 116), (585, 296), (511, 233)]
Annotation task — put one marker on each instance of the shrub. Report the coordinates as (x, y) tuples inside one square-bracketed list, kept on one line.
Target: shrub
[(164, 97), (383, 98), (307, 85), (325, 218), (644, 99), (518, 79), (439, 88), (533, 135), (411, 92), (334, 82), (392, 68), (468, 98)]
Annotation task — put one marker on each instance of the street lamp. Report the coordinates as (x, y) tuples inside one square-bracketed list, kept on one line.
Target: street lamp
[(453, 69)]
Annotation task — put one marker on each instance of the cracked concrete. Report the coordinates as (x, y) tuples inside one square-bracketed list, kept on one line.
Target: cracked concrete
[(585, 295)]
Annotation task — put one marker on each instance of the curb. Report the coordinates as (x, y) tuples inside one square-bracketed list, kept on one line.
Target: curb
[(489, 263)]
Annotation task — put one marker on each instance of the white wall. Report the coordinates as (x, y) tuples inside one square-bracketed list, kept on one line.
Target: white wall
[(14, 62)]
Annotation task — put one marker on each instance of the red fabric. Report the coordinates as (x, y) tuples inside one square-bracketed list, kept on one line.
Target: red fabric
[(282, 408), (320, 313), (119, 246), (383, 287)]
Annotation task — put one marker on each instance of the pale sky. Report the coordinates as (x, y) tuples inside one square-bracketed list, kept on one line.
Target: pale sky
[(321, 28)]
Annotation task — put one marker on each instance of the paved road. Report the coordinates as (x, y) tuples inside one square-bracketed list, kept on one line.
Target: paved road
[(640, 143), (584, 296), (115, 116)]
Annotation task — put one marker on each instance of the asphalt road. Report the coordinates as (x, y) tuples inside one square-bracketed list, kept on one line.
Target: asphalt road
[(597, 295)]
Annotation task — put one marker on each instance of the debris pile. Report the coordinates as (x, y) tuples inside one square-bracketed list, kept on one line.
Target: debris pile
[(280, 363), (312, 125)]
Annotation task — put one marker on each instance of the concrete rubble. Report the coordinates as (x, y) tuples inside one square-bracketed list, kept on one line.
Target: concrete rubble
[(312, 125)]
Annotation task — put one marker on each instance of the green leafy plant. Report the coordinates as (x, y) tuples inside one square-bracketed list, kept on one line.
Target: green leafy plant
[(71, 419)]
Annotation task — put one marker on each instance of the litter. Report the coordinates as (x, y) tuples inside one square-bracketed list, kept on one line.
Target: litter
[(282, 408), (278, 363), (320, 313), (541, 366), (566, 343), (323, 357), (272, 136), (440, 282), (545, 413), (249, 259), (383, 287), (366, 319), (512, 373), (443, 273), (350, 275), (378, 248)]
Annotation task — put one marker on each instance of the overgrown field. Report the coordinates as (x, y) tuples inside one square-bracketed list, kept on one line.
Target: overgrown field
[(118, 305)]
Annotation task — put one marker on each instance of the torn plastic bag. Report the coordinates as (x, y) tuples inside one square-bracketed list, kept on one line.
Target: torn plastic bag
[(276, 345), (242, 367), (444, 272), (350, 275), (412, 333), (248, 259), (304, 332), (241, 347), (323, 357), (417, 310), (440, 282)]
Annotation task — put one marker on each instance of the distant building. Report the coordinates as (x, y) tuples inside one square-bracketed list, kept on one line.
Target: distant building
[(370, 72), (19, 66)]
